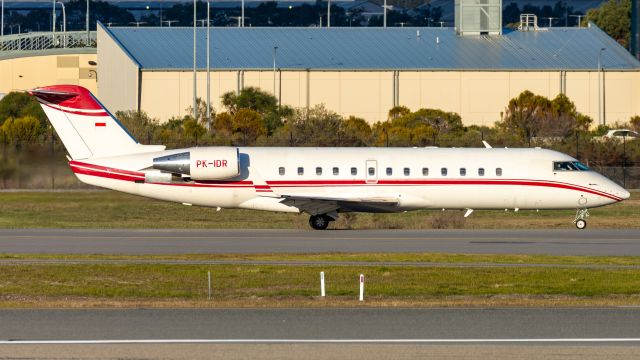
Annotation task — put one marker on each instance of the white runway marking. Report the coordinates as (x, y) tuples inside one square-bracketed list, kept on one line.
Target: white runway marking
[(311, 341)]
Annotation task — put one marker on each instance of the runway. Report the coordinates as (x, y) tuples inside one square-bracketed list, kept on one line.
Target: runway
[(552, 242), (324, 325)]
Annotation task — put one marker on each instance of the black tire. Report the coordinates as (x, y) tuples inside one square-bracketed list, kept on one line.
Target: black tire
[(319, 222), (581, 224)]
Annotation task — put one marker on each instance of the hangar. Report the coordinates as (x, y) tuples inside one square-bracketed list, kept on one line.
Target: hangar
[(366, 71)]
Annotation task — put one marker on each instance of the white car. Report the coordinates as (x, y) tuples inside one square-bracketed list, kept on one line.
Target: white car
[(620, 134)]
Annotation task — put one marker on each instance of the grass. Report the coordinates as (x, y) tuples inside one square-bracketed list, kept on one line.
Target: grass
[(369, 258), (238, 285), (107, 209)]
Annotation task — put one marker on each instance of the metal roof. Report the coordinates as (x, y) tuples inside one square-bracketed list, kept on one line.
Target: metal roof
[(426, 48)]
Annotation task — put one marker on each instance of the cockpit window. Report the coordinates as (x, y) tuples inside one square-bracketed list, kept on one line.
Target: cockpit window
[(569, 166)]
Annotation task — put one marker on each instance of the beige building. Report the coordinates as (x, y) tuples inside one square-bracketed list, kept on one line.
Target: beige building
[(366, 71), (30, 69)]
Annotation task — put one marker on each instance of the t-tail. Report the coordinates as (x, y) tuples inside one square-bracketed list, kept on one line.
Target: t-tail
[(87, 129)]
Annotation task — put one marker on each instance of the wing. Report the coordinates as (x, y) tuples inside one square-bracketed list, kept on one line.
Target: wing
[(314, 204)]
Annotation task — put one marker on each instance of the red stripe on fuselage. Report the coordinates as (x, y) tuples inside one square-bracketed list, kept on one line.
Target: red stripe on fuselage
[(118, 174)]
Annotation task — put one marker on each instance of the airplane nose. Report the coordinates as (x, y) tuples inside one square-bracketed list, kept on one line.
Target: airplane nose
[(624, 194)]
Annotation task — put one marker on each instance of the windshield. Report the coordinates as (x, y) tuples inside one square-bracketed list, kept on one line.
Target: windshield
[(569, 166)]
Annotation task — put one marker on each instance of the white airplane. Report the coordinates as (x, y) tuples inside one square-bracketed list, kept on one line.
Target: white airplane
[(321, 182)]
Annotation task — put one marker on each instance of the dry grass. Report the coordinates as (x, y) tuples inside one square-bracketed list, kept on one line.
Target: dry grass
[(106, 209)]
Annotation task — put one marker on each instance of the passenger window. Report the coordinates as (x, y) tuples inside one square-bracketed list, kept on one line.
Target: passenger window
[(389, 171), (481, 172), (463, 172), (281, 170), (354, 171), (372, 171), (407, 172), (300, 171), (318, 171), (425, 171), (443, 171), (336, 171), (498, 171)]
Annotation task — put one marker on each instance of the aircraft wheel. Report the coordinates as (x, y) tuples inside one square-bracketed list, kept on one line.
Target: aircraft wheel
[(581, 224), (319, 222)]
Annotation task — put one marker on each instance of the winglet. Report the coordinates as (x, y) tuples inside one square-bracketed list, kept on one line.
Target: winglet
[(486, 144)]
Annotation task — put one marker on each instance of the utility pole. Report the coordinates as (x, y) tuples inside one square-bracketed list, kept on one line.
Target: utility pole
[(384, 14), (600, 118), (87, 22), (64, 24), (275, 49), (195, 87), (53, 24), (208, 66), (579, 18)]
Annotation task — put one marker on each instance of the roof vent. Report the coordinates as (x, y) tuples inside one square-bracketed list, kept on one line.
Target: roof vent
[(476, 17)]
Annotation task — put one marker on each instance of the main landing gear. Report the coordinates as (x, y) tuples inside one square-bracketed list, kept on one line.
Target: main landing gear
[(320, 222), (581, 218)]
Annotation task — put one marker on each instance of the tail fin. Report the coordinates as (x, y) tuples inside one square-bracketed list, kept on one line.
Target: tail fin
[(85, 127)]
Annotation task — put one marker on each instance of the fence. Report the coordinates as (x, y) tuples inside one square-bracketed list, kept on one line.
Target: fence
[(47, 40)]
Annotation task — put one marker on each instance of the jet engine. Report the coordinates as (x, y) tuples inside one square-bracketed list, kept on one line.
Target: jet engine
[(214, 163)]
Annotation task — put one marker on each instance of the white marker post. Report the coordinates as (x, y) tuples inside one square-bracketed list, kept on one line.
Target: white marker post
[(361, 287), (209, 297), (322, 283)]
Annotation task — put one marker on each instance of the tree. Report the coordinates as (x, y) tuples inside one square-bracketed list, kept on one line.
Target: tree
[(249, 125), (250, 98), (530, 115), (21, 130), (614, 18), (316, 126), (139, 124), (201, 105), (355, 132), (635, 122), (192, 129), (20, 104)]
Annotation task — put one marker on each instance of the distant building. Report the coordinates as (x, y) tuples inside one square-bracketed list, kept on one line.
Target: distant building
[(366, 71)]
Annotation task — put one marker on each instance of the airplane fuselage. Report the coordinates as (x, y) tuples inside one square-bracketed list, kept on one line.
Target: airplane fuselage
[(419, 178)]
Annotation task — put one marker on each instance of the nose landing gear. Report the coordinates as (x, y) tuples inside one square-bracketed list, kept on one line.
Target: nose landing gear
[(580, 220)]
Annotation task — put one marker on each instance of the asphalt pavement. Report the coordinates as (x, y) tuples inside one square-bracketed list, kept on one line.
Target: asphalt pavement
[(553, 242)]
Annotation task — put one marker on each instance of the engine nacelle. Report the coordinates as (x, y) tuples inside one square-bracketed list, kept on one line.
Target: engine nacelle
[(214, 163)]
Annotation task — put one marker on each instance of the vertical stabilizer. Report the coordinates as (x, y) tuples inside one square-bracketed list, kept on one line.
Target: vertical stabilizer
[(85, 127)]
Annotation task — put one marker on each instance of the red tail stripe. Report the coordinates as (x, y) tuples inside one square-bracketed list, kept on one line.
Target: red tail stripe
[(106, 169), (79, 112)]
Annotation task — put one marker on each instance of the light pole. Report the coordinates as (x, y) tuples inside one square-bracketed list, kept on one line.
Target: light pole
[(64, 23), (550, 20), (384, 14), (195, 87), (600, 117), (53, 23), (208, 66), (579, 18), (275, 50), (242, 15), (2, 26), (169, 22), (87, 23), (329, 13)]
